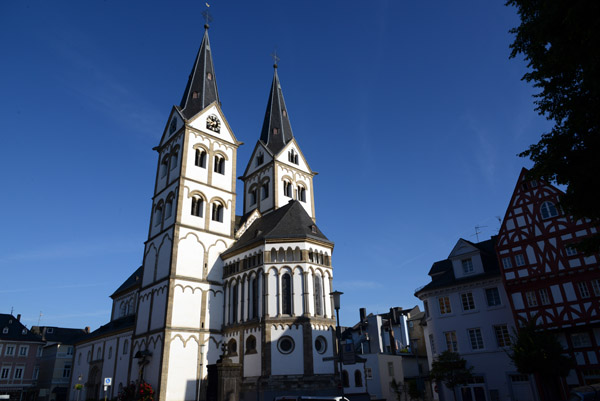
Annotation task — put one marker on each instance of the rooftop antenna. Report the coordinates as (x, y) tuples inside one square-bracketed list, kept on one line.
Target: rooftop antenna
[(477, 232), (275, 58), (207, 16), (12, 308), (40, 317)]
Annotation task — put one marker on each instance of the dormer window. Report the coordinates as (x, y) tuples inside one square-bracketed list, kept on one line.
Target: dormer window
[(467, 265), (260, 159), (5, 330), (548, 210), (173, 126)]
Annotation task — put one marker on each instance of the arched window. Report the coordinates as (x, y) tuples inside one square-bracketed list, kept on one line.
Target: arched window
[(217, 212), (89, 356), (286, 294), (251, 345), (548, 210), (219, 166), (158, 213), (234, 303), (287, 189), (125, 347), (357, 378), (264, 190), (252, 195), (173, 126), (293, 156), (254, 306), (173, 160), (197, 206), (318, 296), (345, 379), (123, 309), (260, 158), (109, 352), (169, 207), (273, 255), (200, 159), (99, 354), (301, 194), (289, 255), (232, 347), (79, 359), (163, 167)]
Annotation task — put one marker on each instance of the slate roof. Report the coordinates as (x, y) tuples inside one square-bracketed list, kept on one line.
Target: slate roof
[(289, 221), (60, 334), (202, 81), (113, 326), (277, 130), (442, 273), (132, 281), (16, 330)]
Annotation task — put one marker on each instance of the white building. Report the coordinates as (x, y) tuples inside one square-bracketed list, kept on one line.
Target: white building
[(467, 311), (259, 283)]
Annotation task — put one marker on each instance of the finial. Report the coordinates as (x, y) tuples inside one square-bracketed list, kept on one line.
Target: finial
[(207, 16), (275, 58)]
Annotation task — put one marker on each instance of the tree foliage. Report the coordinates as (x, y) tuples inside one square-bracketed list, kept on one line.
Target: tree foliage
[(560, 41), (450, 368), (537, 351)]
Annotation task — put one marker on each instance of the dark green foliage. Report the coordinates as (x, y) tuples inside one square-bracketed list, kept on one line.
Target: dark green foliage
[(560, 40), (537, 351), (451, 369)]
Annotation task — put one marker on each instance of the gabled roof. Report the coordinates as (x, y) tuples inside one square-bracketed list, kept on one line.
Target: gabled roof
[(113, 326), (60, 334), (442, 273), (277, 130), (289, 221), (201, 89), (16, 331), (132, 281)]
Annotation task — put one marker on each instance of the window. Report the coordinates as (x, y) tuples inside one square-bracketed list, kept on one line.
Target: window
[(345, 379), (254, 306), (169, 207), (36, 372), (163, 167), (79, 359), (506, 262), (10, 350), (251, 345), (23, 350), (286, 294), (293, 156), (596, 287), (476, 339), (260, 159), (287, 189), (548, 210), (544, 298), (19, 373), (520, 260), (232, 347), (5, 330), (39, 351), (451, 343), (158, 214), (66, 371), (173, 126), (217, 212), (320, 344), (109, 352), (200, 159), (264, 191), (390, 367), (125, 347), (219, 166), (467, 265), (493, 296), (468, 303), (368, 373), (252, 195), (426, 307), (580, 340), (432, 344), (583, 289), (502, 337), (174, 160), (570, 250), (444, 305), (357, 378), (99, 354), (197, 206), (285, 345), (318, 296), (234, 304), (301, 194), (89, 356), (5, 373), (531, 299)]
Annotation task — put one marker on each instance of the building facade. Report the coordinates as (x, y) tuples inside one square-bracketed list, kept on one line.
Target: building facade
[(254, 287), (467, 311), (547, 280)]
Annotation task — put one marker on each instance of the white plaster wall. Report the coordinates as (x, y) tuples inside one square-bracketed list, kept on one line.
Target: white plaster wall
[(295, 178), (214, 307), (163, 265), (287, 364), (321, 366), (122, 361), (215, 264), (283, 157), (108, 366), (151, 372), (252, 362), (159, 307), (143, 314), (183, 367), (190, 254), (199, 122), (273, 291), (298, 291), (149, 263), (187, 303)]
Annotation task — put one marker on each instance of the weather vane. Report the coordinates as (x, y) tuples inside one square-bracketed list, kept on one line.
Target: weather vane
[(275, 58), (207, 16)]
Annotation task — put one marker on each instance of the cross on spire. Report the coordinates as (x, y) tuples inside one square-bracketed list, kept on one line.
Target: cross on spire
[(275, 58), (207, 16)]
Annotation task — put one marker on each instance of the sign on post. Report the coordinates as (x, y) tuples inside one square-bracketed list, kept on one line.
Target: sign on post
[(108, 381)]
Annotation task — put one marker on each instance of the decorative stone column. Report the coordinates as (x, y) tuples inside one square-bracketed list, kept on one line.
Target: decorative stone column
[(230, 380)]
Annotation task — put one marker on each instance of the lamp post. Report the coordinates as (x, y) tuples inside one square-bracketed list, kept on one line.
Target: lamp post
[(79, 385), (202, 347), (338, 331)]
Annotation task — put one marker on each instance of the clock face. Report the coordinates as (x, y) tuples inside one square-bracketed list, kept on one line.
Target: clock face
[(213, 123)]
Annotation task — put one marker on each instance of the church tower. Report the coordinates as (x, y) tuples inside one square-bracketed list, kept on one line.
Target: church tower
[(180, 310)]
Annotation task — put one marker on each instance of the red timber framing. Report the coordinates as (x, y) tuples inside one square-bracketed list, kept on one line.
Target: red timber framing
[(548, 281)]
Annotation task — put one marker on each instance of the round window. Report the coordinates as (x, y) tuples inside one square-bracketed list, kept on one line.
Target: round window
[(285, 345), (321, 345)]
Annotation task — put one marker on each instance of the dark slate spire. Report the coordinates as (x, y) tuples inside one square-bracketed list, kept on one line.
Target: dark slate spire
[(276, 130), (201, 89)]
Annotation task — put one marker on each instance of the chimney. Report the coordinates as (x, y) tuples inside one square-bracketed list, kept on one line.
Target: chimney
[(87, 329), (363, 314), (19, 317)]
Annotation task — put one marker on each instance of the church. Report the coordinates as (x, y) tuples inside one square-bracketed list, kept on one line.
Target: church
[(247, 297)]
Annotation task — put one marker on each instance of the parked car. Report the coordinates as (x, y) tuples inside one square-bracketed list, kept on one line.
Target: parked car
[(585, 393)]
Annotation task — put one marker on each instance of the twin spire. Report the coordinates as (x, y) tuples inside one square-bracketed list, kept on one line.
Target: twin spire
[(201, 90)]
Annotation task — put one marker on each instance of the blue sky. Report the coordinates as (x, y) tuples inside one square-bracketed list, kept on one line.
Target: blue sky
[(411, 112)]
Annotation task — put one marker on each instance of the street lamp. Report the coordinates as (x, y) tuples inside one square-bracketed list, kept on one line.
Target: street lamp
[(202, 347), (338, 331), (79, 386)]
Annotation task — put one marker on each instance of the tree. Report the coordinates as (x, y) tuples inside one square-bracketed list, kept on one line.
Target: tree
[(451, 368), (538, 352), (560, 41)]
